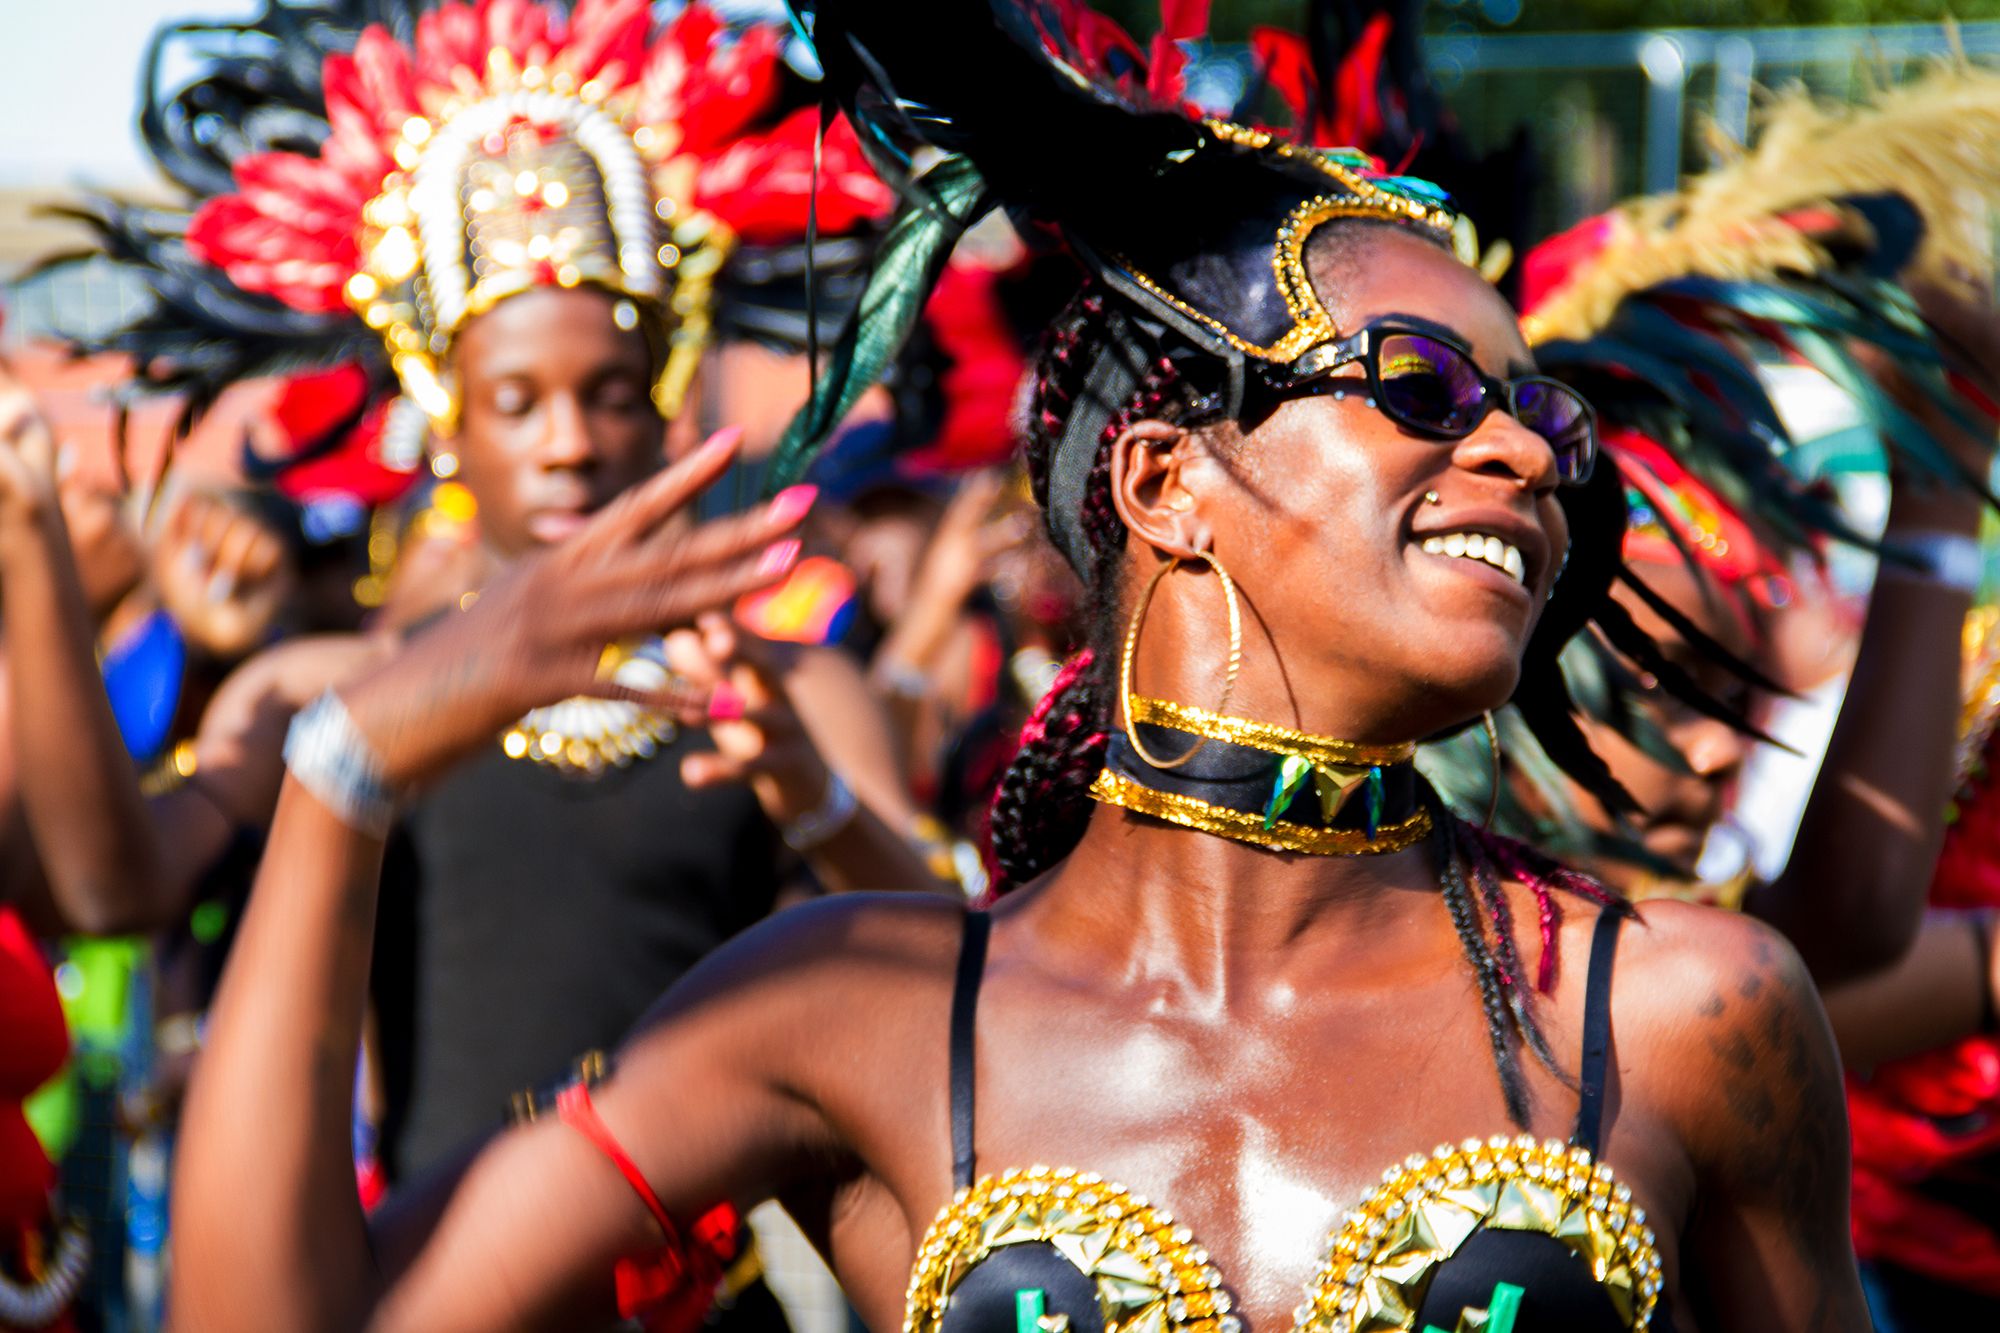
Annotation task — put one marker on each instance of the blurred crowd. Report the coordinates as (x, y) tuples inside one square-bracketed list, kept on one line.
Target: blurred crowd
[(1803, 734)]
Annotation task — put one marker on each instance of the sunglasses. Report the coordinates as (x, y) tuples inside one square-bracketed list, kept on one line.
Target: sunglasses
[(1430, 384)]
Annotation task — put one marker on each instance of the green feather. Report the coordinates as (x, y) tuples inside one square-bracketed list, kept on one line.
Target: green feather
[(950, 197)]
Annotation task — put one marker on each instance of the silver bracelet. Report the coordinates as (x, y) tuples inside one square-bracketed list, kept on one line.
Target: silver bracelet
[(1951, 559), (814, 827), (331, 759)]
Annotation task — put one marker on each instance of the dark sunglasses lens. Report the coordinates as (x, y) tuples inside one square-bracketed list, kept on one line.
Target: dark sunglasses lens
[(1558, 415), (1428, 384)]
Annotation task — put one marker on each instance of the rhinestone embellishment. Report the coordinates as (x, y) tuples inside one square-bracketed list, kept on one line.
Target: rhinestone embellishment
[(1382, 1257), (1150, 1276)]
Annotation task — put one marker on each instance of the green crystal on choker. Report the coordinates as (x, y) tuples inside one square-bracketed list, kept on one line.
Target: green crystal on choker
[(1293, 770)]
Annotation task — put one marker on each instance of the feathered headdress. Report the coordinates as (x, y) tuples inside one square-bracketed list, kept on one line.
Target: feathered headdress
[(1196, 229), (364, 178), (1667, 311), (1794, 251)]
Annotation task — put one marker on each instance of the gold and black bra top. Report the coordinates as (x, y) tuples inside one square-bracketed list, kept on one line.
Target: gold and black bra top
[(1505, 1235)]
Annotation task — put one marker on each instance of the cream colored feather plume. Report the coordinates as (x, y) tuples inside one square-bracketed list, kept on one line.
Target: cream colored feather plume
[(1934, 141)]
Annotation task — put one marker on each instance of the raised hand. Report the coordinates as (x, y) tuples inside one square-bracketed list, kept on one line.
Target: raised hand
[(970, 539), (538, 633), (750, 717), (27, 456), (222, 575)]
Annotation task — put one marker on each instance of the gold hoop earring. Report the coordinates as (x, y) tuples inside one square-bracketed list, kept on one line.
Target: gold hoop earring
[(1493, 747), (1132, 650)]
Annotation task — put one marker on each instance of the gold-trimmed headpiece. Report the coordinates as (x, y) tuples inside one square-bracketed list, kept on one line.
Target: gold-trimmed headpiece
[(1358, 191)]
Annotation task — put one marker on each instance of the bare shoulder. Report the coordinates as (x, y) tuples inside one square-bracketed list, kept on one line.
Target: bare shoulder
[(1683, 954), (1735, 1046)]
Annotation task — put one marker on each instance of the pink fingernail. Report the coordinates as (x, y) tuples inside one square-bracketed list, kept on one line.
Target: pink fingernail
[(790, 505), (778, 557), (725, 703), (721, 442)]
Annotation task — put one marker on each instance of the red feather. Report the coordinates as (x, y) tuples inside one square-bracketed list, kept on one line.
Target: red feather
[(760, 186), (1356, 117)]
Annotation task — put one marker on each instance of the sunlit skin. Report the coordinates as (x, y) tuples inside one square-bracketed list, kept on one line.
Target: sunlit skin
[(110, 560), (556, 415), (1245, 1037)]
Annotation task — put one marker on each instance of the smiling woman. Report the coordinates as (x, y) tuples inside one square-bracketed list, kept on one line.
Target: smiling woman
[(1262, 964)]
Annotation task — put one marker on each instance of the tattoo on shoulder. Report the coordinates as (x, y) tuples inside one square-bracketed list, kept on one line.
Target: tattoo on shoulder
[(1783, 1113)]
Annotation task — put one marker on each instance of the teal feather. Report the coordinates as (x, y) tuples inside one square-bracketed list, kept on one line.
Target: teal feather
[(947, 199)]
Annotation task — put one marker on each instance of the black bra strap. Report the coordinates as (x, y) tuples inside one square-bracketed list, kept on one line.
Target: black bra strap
[(1596, 1031), (964, 1010)]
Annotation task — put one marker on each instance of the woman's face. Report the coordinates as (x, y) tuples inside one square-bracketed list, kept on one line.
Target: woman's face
[(556, 415), (1678, 807), (1326, 525)]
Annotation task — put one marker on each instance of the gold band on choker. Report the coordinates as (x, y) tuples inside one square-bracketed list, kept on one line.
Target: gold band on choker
[(1244, 826), (1266, 736)]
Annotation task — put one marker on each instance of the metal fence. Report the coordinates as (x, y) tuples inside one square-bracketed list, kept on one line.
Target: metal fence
[(1614, 114), (1611, 114)]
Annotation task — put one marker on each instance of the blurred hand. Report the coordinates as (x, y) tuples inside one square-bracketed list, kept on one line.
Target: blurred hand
[(757, 733), (969, 541), (223, 575), (539, 631), (27, 455)]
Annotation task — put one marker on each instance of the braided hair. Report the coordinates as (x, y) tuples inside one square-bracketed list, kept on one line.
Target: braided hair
[(1042, 804)]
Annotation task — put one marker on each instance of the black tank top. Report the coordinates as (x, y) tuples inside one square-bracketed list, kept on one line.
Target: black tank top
[(1501, 1233), (529, 917)]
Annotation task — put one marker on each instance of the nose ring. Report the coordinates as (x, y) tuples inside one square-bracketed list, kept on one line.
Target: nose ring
[(1432, 497)]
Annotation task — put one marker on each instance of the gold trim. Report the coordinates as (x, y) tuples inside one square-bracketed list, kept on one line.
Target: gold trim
[(1312, 325), (1150, 1275), (1284, 836), (1381, 1258), (619, 733), (1266, 736), (1127, 662)]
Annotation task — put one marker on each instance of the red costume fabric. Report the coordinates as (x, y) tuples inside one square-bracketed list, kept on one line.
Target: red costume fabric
[(1935, 1118), (36, 1044)]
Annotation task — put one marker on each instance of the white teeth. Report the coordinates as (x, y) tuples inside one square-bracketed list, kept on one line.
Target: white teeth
[(1480, 546)]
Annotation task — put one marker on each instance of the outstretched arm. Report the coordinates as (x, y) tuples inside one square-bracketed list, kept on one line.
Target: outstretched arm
[(103, 864), (1852, 895), (270, 1232)]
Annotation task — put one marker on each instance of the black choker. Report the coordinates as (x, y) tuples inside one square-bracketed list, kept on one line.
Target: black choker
[(1267, 785)]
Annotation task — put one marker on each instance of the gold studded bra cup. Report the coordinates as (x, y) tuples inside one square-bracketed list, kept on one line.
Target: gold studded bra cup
[(1149, 1275)]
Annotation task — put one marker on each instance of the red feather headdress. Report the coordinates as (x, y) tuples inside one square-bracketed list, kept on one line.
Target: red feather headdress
[(468, 153)]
